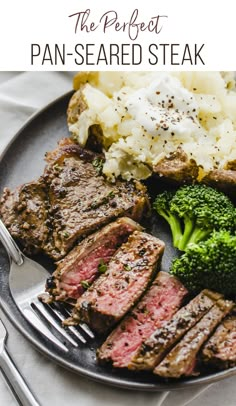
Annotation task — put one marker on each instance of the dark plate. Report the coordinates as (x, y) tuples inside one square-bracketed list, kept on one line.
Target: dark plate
[(22, 162)]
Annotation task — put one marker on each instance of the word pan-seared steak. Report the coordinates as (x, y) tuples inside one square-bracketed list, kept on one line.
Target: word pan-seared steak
[(161, 301), (68, 202), (87, 260), (182, 359), (128, 274), (153, 350), (220, 350)]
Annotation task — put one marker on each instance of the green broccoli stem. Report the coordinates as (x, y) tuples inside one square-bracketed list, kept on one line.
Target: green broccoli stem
[(175, 226), (189, 225), (199, 234)]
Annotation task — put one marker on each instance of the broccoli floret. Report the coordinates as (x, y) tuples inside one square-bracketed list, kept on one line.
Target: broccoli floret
[(209, 265), (162, 206), (201, 210)]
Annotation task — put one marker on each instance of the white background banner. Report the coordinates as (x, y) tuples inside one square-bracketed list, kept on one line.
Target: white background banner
[(117, 35)]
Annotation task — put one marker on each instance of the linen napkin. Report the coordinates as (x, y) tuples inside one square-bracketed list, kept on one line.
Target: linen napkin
[(21, 94)]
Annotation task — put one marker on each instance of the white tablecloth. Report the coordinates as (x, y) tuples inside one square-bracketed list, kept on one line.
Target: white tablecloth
[(21, 94)]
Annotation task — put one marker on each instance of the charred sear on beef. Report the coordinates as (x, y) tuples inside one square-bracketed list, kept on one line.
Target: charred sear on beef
[(69, 201), (161, 301), (25, 213), (88, 260), (182, 359), (154, 349), (220, 350), (128, 274)]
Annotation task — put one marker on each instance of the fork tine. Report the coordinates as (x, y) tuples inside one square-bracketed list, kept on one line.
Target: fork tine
[(67, 311), (87, 330), (42, 310), (25, 294), (83, 326), (61, 317), (77, 334), (40, 326)]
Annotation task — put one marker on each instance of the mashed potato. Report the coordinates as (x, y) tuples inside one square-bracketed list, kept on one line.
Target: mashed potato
[(145, 116)]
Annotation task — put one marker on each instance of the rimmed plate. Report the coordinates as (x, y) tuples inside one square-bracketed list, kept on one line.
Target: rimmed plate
[(23, 161)]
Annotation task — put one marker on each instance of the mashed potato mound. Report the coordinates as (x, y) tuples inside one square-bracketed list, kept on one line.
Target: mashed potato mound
[(145, 116)]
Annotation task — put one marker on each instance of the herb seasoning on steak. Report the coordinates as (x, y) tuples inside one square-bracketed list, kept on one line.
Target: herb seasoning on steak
[(88, 259), (182, 359), (164, 338), (68, 202), (161, 301), (128, 274), (220, 349)]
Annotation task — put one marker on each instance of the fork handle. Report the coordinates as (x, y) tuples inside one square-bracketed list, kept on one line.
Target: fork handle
[(15, 381), (10, 245)]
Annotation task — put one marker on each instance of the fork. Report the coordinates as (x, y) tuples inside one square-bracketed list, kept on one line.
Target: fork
[(12, 376), (27, 281)]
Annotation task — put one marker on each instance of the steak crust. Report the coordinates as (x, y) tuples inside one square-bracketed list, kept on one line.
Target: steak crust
[(68, 202), (25, 213), (220, 349), (182, 359)]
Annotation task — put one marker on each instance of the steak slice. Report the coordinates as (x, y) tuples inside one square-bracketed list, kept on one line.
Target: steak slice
[(68, 202), (164, 338), (129, 272), (162, 300), (181, 361), (81, 265), (220, 349), (25, 213)]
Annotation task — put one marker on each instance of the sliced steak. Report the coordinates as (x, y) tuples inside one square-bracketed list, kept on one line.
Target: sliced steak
[(164, 338), (220, 349), (182, 359), (70, 201), (162, 300), (82, 265), (128, 275)]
